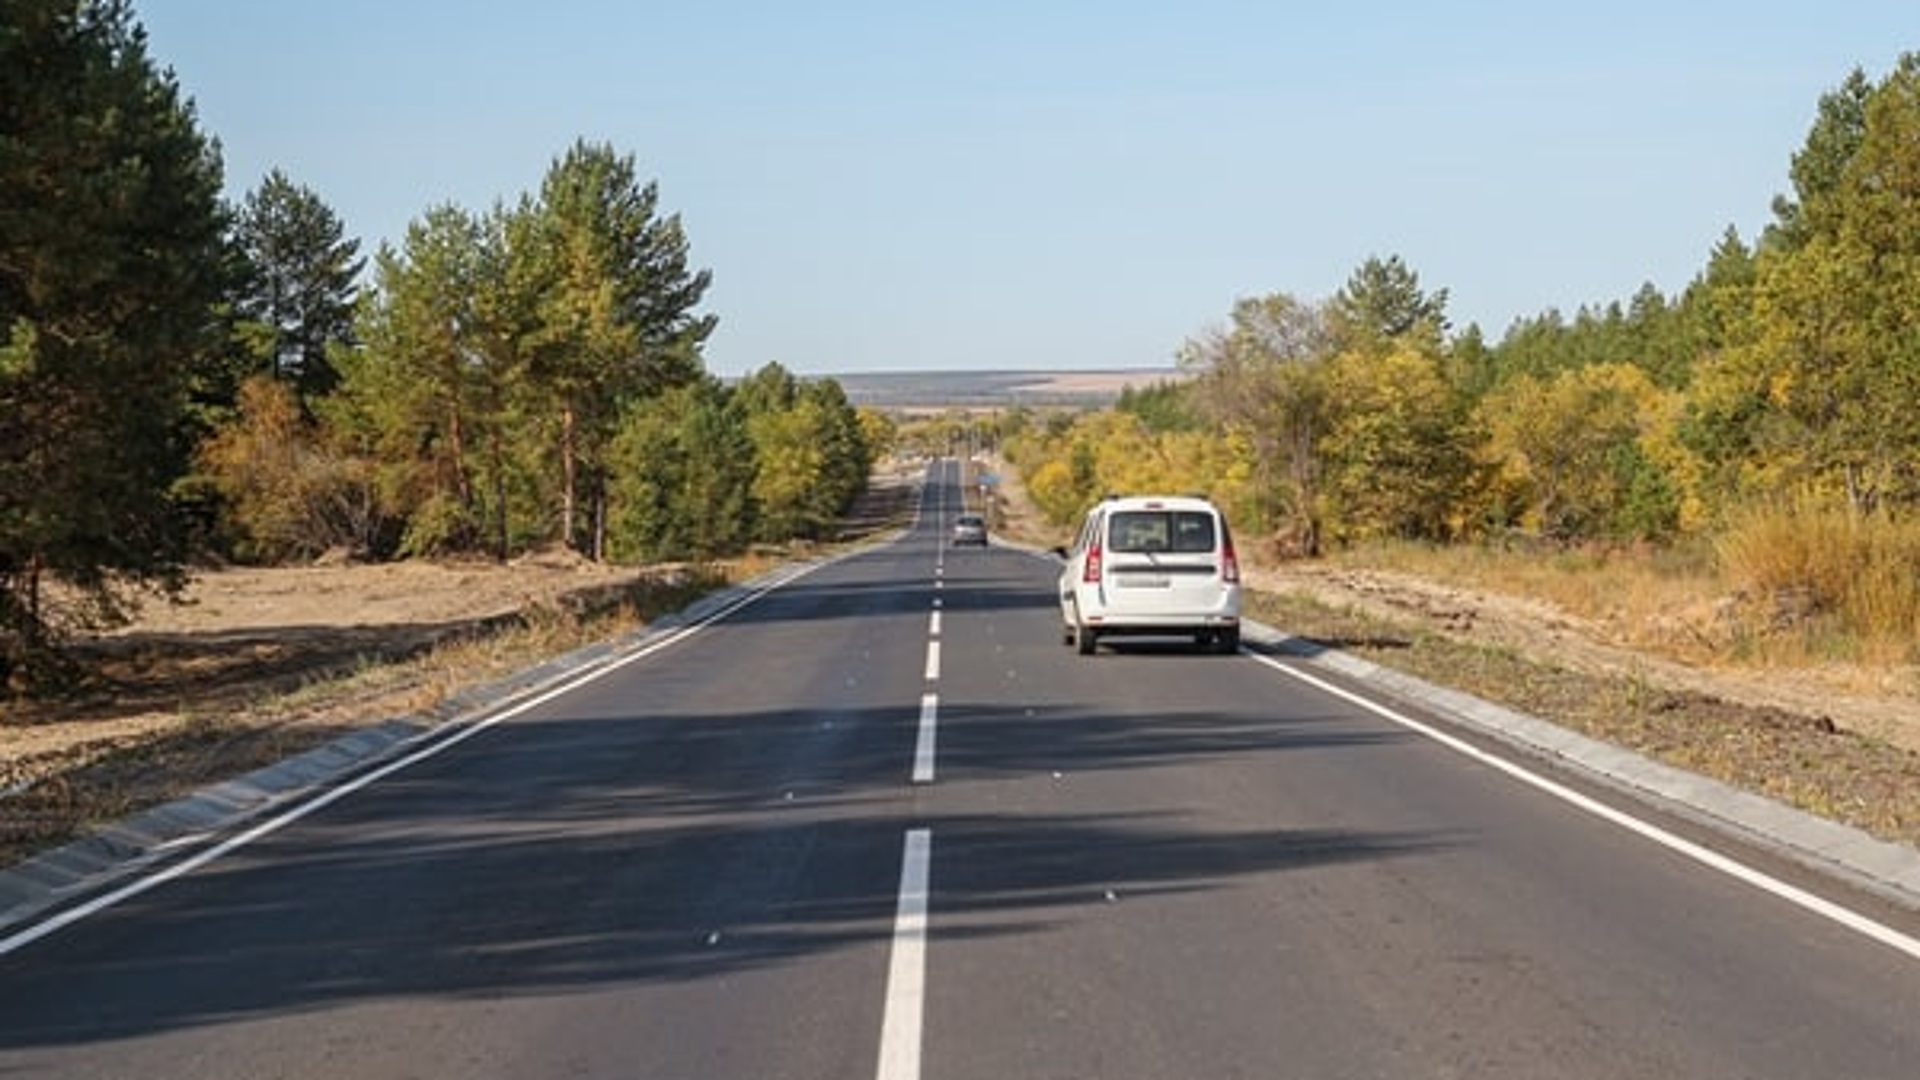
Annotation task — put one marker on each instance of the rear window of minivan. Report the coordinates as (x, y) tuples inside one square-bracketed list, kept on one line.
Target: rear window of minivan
[(1181, 531)]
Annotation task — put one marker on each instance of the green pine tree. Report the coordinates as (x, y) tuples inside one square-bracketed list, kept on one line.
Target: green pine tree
[(301, 273), (112, 263)]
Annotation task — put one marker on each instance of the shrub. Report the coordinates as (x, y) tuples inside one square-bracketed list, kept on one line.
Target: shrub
[(1806, 559), (288, 495)]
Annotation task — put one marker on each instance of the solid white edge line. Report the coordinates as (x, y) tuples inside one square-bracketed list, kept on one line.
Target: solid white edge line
[(923, 747), (933, 660), (434, 743), (1846, 917), (900, 1025)]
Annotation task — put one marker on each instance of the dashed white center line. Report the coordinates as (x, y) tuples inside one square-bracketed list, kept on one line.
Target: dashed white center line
[(906, 975), (900, 1029), (923, 746)]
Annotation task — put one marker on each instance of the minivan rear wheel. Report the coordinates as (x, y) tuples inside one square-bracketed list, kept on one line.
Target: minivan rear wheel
[(1084, 639)]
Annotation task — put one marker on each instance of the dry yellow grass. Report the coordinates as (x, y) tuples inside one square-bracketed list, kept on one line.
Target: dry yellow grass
[(1639, 598), (1725, 607), (1842, 580)]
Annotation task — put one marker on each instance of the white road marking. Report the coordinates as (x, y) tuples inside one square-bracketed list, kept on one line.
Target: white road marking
[(933, 660), (933, 627), (906, 974), (924, 744), (433, 744), (1852, 920)]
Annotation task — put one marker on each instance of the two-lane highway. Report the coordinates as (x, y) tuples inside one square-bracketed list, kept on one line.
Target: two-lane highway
[(880, 822)]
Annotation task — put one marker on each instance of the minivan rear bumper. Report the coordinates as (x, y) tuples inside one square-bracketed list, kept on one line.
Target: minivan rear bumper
[(1161, 622)]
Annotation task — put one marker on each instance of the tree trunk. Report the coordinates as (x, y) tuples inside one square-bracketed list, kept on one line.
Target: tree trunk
[(569, 476), (500, 499), (600, 526), (457, 450), (35, 629)]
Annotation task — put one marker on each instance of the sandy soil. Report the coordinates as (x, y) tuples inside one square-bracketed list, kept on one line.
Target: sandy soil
[(243, 642)]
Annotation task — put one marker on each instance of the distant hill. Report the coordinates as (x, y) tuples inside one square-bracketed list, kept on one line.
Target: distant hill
[(938, 390)]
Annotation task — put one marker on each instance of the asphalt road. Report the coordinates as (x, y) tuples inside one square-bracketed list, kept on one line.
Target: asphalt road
[(880, 822)]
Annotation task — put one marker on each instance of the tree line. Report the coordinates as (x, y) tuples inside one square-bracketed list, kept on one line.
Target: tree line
[(526, 376), (183, 378), (1786, 373)]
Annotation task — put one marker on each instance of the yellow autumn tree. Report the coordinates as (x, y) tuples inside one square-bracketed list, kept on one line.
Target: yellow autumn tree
[(1578, 455), (1398, 452), (288, 495)]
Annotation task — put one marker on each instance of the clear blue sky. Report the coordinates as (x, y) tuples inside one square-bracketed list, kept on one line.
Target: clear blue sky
[(980, 184)]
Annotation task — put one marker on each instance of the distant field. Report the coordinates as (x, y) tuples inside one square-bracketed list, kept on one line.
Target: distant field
[(939, 390)]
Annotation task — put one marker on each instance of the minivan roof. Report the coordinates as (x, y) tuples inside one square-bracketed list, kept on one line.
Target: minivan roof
[(1159, 502)]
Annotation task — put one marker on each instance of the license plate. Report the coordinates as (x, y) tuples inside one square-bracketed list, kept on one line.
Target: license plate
[(1143, 581)]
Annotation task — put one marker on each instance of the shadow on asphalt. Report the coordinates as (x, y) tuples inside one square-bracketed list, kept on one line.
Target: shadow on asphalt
[(558, 857)]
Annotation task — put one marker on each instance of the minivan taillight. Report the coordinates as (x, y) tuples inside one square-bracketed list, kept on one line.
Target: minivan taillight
[(1090, 570), (1229, 562)]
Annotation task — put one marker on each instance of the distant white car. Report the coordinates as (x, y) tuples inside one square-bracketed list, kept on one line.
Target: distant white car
[(970, 529), (1152, 564)]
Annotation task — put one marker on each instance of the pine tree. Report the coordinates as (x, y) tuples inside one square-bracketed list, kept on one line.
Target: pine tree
[(301, 272), (1823, 391), (111, 264), (683, 476), (1839, 127), (1383, 302), (409, 395), (617, 312)]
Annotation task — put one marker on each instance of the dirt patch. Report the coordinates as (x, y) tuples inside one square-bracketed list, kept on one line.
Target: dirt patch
[(256, 665)]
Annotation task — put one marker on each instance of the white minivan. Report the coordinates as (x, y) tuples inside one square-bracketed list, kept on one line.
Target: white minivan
[(1152, 564)]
